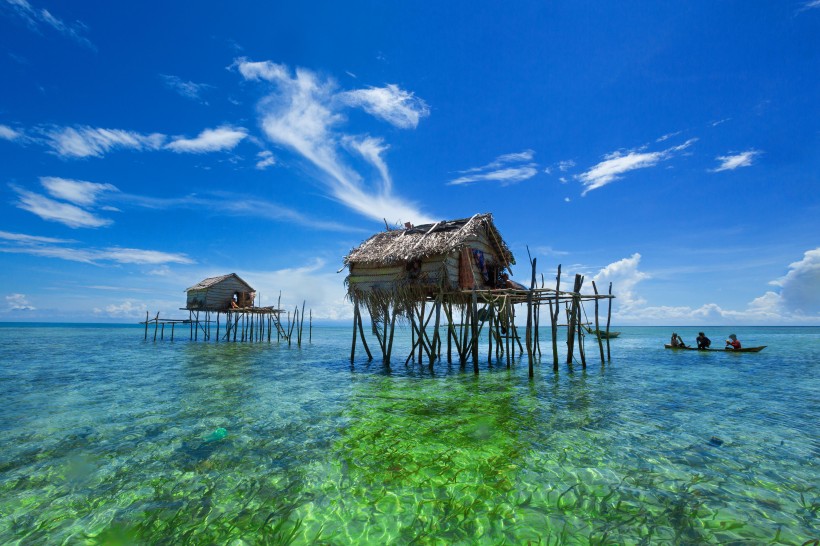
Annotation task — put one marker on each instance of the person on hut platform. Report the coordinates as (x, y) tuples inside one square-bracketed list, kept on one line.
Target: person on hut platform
[(677, 341), (703, 341), (732, 342)]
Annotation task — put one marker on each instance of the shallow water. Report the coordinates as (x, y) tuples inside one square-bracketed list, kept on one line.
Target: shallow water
[(106, 438)]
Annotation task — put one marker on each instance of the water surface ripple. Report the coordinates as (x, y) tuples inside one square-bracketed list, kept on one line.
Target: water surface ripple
[(106, 438)]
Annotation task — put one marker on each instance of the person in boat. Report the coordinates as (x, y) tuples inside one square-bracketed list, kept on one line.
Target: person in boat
[(677, 341), (703, 341), (732, 342)]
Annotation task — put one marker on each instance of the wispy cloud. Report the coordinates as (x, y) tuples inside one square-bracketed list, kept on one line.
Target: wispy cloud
[(187, 89), (87, 141), (390, 103), (303, 113), (506, 169), (811, 4), (78, 192), (36, 19), (84, 141), (19, 243), (18, 302), (735, 161), (234, 205), (7, 133), (265, 160), (616, 164), (57, 211), (210, 140)]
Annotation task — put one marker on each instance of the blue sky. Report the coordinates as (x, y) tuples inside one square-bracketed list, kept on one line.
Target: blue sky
[(670, 148)]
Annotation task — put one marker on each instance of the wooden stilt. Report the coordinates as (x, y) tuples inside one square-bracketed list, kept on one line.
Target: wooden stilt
[(474, 330), (529, 333), (146, 326), (353, 344), (554, 320), (608, 317), (597, 324)]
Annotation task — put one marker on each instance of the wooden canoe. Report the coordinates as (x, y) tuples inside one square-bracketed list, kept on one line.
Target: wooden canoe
[(603, 333), (727, 350)]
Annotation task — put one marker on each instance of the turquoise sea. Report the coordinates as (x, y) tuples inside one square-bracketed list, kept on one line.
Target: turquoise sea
[(109, 439)]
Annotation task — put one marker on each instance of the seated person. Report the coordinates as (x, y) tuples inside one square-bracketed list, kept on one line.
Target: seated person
[(677, 341), (732, 342), (703, 341)]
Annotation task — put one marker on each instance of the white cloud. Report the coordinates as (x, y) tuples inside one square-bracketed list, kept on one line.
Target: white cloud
[(796, 302), (78, 192), (36, 18), (31, 239), (95, 142), (320, 287), (301, 114), (624, 276), (7, 133), (392, 104), (266, 160), (210, 140), (126, 309), (507, 169), (371, 149), (189, 90), (18, 302), (564, 166), (799, 288), (139, 256), (732, 162), (616, 164), (55, 248), (56, 211)]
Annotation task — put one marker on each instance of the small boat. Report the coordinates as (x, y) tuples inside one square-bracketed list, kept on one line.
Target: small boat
[(603, 333), (726, 350)]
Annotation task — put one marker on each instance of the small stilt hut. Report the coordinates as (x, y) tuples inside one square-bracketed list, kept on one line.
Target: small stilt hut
[(451, 267)]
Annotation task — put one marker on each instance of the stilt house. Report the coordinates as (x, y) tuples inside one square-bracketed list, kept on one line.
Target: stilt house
[(220, 294), (416, 262)]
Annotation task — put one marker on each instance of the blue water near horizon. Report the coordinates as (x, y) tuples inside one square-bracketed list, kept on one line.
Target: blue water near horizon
[(106, 438)]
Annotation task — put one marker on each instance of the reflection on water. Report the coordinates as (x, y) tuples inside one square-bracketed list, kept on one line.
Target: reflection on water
[(108, 439)]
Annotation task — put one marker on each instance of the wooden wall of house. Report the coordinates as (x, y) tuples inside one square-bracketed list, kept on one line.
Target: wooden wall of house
[(435, 270), (469, 274), (218, 296)]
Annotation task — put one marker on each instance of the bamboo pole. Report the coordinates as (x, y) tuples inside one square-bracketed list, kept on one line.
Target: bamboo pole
[(554, 321), (572, 319), (436, 337), (474, 330), (529, 333), (597, 323), (358, 319), (608, 317), (390, 341), (146, 326), (353, 344), (156, 323)]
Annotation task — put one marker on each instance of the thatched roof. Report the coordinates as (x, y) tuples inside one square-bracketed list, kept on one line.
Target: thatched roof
[(211, 281), (418, 242)]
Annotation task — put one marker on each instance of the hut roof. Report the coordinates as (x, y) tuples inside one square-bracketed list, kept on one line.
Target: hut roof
[(210, 281), (402, 245)]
